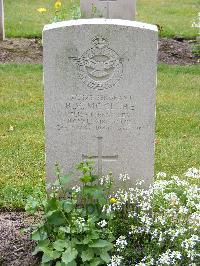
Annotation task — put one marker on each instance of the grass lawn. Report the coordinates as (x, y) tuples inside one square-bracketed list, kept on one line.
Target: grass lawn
[(21, 132), (22, 129), (174, 16), (23, 20)]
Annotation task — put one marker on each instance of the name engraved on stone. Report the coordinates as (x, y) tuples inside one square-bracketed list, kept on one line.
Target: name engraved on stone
[(100, 157), (100, 67), (100, 112)]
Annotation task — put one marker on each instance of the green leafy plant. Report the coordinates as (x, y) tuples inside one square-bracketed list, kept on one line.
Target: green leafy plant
[(73, 230), (196, 49), (94, 225)]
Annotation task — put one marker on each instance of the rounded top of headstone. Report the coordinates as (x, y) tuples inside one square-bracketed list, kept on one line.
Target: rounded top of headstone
[(101, 21)]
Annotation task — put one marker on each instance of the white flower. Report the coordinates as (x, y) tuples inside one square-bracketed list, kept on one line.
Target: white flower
[(115, 260), (193, 172), (140, 183), (172, 198), (195, 219), (183, 210), (11, 128), (124, 177), (190, 243), (161, 174), (105, 180), (76, 189), (107, 209), (102, 224), (169, 257), (196, 22), (121, 243)]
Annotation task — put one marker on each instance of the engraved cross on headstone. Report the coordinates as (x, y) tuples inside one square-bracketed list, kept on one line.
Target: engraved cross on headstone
[(100, 157), (108, 6)]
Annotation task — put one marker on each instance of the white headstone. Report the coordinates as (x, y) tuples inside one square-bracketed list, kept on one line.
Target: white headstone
[(2, 34), (100, 93), (114, 9)]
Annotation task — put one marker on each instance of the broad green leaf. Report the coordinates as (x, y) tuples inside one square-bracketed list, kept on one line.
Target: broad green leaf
[(55, 217), (56, 254), (36, 250), (95, 262), (69, 255), (58, 263), (75, 241), (100, 244), (46, 264), (94, 235), (94, 177), (87, 255), (46, 249), (72, 263), (67, 206), (31, 205), (47, 257), (60, 244), (87, 240), (42, 246), (105, 256), (86, 179), (39, 234), (52, 205), (93, 191)]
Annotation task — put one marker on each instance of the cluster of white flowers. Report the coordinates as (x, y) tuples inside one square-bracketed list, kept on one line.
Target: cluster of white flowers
[(172, 198), (193, 172), (121, 243), (76, 189), (194, 220), (146, 261), (105, 180), (196, 22), (169, 213), (116, 260), (102, 223), (80, 223), (191, 242), (169, 258), (161, 174), (107, 209), (124, 177)]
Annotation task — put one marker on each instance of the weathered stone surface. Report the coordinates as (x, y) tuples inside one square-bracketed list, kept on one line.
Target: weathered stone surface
[(2, 34), (100, 81), (114, 9)]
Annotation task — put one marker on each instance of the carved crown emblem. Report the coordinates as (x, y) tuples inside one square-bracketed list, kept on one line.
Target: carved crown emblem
[(100, 42)]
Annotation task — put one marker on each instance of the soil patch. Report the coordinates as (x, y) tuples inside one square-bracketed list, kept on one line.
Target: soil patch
[(171, 51), (176, 52), (20, 50), (15, 245)]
